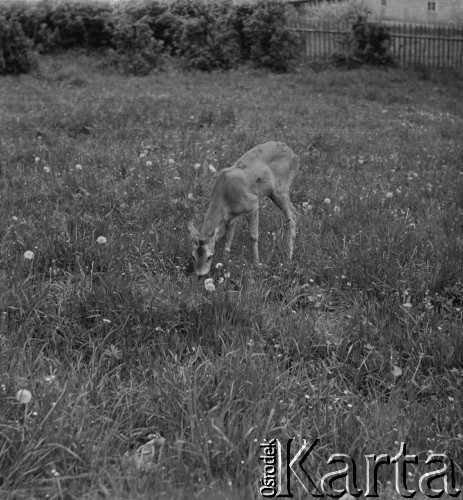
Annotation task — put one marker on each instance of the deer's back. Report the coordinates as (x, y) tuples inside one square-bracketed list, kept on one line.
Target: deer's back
[(274, 154)]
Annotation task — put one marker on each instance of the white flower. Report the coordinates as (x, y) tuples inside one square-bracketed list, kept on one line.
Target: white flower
[(36, 159), (327, 201), (149, 163), (212, 168), (23, 396), (141, 155), (336, 209), (306, 206), (209, 285), (389, 194), (226, 275), (28, 254), (171, 161), (101, 240), (78, 166), (221, 280), (219, 265), (197, 166), (46, 169), (190, 196), (14, 218)]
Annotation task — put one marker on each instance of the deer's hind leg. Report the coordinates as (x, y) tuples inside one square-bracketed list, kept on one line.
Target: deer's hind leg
[(283, 202)]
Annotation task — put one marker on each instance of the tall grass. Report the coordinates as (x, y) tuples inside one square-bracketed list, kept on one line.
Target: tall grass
[(357, 342)]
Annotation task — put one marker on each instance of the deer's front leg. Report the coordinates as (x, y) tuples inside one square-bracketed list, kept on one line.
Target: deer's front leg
[(253, 221), (229, 232), (291, 231)]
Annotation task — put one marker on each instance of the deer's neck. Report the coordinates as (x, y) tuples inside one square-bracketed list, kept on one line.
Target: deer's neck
[(217, 213)]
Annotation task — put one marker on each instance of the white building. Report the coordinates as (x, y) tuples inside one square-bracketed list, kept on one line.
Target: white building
[(416, 11)]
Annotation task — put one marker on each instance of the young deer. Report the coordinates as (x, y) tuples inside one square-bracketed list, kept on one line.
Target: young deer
[(266, 170)]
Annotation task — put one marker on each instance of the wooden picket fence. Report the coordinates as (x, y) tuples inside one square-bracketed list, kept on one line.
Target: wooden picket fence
[(410, 45)]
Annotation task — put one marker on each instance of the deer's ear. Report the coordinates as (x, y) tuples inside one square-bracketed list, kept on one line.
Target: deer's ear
[(194, 233)]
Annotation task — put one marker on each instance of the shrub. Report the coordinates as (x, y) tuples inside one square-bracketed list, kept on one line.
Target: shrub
[(79, 25), (328, 12), (203, 35), (207, 40), (243, 12), (15, 48), (266, 40), (163, 23), (367, 43), (63, 25), (136, 51)]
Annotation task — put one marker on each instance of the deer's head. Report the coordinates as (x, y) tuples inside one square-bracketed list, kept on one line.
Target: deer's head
[(203, 249)]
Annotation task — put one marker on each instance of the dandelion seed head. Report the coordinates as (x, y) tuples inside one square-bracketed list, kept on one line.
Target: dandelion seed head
[(326, 201), (171, 161), (149, 163), (389, 194), (101, 240), (23, 396), (197, 166), (78, 166), (28, 254), (219, 265), (209, 285), (46, 169), (190, 196), (336, 209), (36, 159)]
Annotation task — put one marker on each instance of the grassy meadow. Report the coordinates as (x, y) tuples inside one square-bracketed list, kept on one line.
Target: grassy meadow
[(358, 341)]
